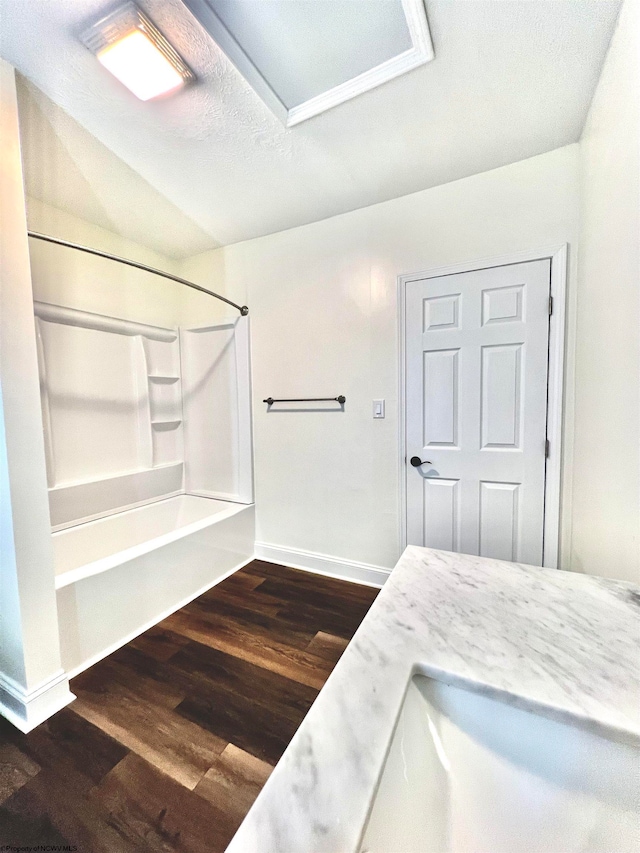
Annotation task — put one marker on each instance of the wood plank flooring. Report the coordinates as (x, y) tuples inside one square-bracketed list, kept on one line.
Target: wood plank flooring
[(172, 737)]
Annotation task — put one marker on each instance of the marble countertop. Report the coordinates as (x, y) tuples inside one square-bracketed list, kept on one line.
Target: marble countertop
[(565, 643)]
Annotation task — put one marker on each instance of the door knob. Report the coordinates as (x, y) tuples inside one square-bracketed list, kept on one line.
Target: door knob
[(417, 462)]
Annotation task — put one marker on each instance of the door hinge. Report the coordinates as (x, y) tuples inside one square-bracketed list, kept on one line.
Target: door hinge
[(550, 305), (547, 448)]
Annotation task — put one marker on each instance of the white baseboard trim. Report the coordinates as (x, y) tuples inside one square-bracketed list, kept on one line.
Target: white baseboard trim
[(164, 615), (323, 564), (26, 709)]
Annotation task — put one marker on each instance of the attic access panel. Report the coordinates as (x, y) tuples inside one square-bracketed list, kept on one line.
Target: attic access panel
[(303, 57)]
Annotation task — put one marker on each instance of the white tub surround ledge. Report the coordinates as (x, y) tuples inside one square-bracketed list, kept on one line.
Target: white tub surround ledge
[(561, 644)]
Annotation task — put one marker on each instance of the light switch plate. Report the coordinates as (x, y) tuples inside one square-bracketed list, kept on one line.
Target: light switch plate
[(378, 408)]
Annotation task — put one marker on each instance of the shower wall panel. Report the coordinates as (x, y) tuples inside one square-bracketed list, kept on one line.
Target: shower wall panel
[(217, 411), (112, 413)]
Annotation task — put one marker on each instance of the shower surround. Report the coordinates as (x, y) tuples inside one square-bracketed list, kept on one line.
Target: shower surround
[(149, 467)]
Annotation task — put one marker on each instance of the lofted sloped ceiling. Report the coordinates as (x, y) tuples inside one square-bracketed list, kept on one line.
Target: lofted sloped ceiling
[(510, 79), (65, 166)]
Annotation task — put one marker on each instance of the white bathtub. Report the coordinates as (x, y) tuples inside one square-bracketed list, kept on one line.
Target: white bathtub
[(119, 575)]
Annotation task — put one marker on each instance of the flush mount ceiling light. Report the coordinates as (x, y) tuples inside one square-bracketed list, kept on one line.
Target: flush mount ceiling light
[(128, 45), (303, 57)]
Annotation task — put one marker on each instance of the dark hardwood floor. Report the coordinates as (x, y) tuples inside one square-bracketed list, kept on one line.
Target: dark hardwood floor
[(172, 737)]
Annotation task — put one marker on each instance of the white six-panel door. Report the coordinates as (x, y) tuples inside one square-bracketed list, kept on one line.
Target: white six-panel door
[(476, 403)]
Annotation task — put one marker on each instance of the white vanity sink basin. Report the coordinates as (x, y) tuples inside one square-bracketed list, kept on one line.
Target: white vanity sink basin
[(471, 774)]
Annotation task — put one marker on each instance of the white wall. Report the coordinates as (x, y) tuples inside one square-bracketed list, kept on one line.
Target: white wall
[(77, 280), (606, 507), (322, 301), (32, 683)]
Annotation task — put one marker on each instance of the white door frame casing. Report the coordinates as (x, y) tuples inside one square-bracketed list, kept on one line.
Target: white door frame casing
[(558, 256)]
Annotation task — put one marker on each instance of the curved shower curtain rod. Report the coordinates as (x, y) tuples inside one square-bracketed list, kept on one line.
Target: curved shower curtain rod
[(36, 236)]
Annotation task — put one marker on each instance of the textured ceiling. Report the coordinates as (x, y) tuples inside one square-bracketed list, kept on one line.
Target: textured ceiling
[(303, 49), (511, 79)]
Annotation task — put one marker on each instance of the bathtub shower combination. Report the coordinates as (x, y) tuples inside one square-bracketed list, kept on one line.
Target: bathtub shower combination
[(149, 466)]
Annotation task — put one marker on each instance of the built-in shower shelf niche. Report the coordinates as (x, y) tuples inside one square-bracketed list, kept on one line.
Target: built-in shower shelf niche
[(113, 396)]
